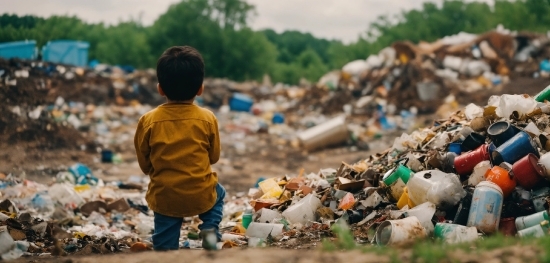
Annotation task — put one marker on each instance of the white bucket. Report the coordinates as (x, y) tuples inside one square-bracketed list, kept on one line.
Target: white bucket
[(401, 232)]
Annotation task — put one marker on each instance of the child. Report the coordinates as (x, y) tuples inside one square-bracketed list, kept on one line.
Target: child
[(176, 144)]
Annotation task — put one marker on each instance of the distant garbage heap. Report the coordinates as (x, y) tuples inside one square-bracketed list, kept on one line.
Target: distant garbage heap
[(422, 75)]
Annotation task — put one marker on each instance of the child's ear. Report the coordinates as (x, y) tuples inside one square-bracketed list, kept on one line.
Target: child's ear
[(201, 90), (159, 89)]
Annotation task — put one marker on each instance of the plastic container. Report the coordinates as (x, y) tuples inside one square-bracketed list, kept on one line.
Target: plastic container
[(486, 207), (303, 211), (424, 213), (442, 189), (328, 133), (527, 171), (502, 178), (514, 149), (531, 220), (247, 218), (465, 163), (538, 230), (18, 49), (240, 102), (453, 233), (401, 232), (500, 132), (397, 179)]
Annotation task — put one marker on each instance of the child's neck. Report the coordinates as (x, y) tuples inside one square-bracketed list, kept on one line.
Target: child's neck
[(180, 101)]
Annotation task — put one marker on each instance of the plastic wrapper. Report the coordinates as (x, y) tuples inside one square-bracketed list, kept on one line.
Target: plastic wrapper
[(347, 202)]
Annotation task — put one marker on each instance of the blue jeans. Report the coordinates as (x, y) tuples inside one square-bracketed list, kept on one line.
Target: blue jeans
[(167, 228)]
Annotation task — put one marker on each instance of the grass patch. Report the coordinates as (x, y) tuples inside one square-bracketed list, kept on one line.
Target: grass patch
[(430, 250)]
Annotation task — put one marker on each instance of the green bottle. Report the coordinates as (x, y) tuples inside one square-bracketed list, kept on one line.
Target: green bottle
[(247, 217), (543, 95)]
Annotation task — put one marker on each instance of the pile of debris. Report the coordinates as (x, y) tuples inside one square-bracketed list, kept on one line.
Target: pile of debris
[(436, 182), (421, 75)]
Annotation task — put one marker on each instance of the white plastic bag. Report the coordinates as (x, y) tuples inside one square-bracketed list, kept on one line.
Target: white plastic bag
[(509, 103)]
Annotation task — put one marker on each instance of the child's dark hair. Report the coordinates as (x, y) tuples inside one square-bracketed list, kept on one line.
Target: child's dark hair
[(180, 72)]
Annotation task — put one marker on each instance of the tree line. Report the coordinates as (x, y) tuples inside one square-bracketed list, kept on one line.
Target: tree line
[(220, 30)]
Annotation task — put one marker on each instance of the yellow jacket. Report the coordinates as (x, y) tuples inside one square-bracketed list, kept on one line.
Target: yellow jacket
[(175, 145)]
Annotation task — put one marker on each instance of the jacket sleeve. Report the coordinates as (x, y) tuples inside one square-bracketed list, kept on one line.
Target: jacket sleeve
[(215, 146), (143, 151)]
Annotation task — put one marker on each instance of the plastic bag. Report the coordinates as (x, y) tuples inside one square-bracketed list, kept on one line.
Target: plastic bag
[(472, 111), (509, 103)]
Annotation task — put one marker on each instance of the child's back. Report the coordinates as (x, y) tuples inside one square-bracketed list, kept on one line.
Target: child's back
[(176, 143), (182, 141)]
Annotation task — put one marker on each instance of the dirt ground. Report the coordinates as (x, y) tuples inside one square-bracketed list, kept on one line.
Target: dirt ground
[(509, 254)]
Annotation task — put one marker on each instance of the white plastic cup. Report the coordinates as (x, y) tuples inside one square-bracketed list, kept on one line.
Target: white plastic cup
[(400, 232)]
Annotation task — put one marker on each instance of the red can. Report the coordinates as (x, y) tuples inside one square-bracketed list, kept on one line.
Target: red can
[(507, 226), (465, 163), (527, 171)]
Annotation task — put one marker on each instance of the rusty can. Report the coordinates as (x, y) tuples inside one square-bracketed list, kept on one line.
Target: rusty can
[(507, 226)]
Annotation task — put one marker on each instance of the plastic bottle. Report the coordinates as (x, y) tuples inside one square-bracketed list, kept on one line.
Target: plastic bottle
[(247, 218)]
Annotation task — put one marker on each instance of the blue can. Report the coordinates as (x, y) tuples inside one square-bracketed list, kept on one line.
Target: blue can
[(514, 149), (486, 207), (500, 132)]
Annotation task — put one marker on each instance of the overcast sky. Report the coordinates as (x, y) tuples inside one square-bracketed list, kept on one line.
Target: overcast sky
[(334, 19)]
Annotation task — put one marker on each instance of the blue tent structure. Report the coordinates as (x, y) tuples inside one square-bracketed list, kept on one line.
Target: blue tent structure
[(19, 49), (66, 52)]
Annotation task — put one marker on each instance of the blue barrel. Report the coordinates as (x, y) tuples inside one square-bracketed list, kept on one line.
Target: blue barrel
[(241, 102), (18, 49), (514, 149), (486, 207)]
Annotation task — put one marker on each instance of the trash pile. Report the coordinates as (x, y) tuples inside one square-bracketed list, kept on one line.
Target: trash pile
[(77, 214), (485, 170), (422, 75)]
